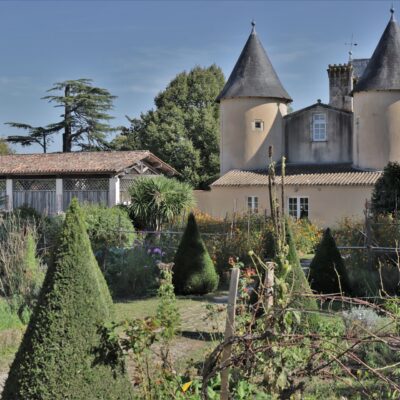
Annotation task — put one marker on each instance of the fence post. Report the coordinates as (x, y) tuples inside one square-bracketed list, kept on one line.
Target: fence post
[(229, 331), (368, 236)]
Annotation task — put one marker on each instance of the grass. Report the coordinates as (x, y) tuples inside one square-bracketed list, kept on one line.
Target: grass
[(196, 328), (8, 318)]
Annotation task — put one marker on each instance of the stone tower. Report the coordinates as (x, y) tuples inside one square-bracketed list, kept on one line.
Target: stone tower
[(376, 130), (340, 86), (252, 106)]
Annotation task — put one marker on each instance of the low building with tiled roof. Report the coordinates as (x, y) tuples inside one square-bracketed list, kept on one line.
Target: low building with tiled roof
[(47, 182), (334, 152)]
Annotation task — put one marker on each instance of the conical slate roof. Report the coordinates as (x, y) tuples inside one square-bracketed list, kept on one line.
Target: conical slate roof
[(383, 69), (254, 75)]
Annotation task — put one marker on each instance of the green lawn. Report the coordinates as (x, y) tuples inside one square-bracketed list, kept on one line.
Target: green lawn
[(194, 341)]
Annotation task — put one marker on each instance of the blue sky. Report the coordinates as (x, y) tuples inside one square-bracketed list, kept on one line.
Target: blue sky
[(135, 48)]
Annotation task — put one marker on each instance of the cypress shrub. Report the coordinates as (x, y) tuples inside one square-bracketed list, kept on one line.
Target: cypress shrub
[(194, 271), (327, 270), (296, 279), (64, 354)]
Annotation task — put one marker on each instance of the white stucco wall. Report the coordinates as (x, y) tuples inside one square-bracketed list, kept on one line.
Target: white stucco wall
[(327, 204), (242, 147), (376, 129)]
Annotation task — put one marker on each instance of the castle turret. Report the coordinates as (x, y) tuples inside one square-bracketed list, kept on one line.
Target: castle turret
[(252, 106), (376, 130)]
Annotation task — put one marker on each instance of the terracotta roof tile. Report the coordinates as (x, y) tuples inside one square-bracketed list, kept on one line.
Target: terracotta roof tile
[(307, 175), (77, 163)]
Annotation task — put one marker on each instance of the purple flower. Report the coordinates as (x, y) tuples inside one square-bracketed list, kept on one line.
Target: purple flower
[(156, 250)]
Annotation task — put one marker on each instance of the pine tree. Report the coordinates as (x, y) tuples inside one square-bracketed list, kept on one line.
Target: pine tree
[(327, 270), (194, 271), (63, 355), (84, 121)]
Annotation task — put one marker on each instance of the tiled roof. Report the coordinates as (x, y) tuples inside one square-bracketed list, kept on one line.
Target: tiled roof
[(359, 65), (306, 175), (104, 162), (254, 75), (382, 71)]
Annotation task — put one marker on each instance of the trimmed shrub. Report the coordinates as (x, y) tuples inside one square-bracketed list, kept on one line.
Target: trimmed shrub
[(295, 278), (194, 271), (327, 270), (386, 195), (63, 354)]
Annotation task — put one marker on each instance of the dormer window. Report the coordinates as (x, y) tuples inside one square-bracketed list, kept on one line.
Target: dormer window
[(319, 127), (258, 125)]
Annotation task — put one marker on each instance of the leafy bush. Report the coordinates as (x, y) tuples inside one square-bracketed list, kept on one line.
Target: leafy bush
[(21, 273), (8, 317), (132, 272), (306, 236), (237, 245), (27, 213), (62, 354), (194, 271), (108, 227), (327, 270)]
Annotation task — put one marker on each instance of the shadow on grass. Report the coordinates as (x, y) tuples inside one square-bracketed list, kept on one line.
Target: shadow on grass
[(220, 297), (203, 336)]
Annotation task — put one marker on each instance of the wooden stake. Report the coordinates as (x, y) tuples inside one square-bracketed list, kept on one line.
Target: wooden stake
[(229, 331), (270, 284)]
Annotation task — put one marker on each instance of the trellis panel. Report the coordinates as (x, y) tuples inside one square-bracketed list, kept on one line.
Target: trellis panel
[(86, 190), (39, 194), (124, 185)]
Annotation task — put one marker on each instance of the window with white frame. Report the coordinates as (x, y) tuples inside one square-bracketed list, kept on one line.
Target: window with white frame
[(319, 127), (258, 125), (298, 207), (252, 204)]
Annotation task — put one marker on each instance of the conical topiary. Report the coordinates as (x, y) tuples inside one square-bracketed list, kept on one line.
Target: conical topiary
[(194, 271), (63, 354), (296, 279), (327, 270)]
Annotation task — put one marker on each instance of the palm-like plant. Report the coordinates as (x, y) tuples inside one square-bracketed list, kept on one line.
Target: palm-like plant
[(158, 200)]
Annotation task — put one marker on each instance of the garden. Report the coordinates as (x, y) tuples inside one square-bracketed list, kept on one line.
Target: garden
[(157, 301)]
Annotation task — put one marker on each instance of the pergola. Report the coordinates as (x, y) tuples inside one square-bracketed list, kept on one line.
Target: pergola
[(48, 182)]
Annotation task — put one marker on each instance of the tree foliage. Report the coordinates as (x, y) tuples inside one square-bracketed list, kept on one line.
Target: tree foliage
[(5, 148), (327, 270), (386, 194), (194, 271), (36, 135), (183, 130), (63, 354), (158, 200), (84, 120)]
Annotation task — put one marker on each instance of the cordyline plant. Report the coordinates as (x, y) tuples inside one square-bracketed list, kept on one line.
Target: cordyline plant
[(159, 200)]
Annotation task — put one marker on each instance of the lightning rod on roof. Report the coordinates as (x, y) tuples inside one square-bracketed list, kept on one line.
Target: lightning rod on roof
[(351, 44)]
